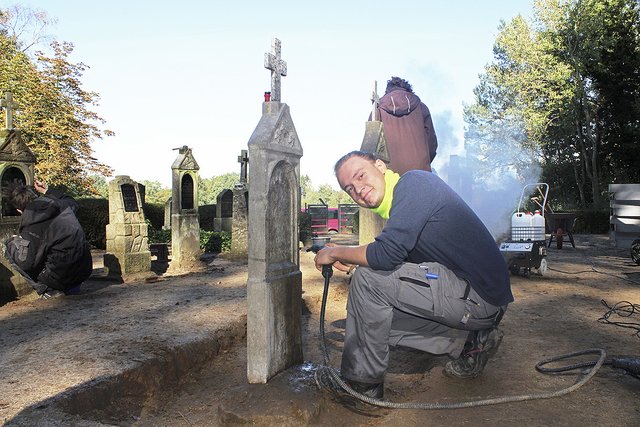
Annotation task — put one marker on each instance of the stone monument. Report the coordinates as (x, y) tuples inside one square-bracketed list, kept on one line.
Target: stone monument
[(239, 227), (185, 225), (16, 162), (127, 253), (167, 214), (274, 288), (370, 224), (224, 211)]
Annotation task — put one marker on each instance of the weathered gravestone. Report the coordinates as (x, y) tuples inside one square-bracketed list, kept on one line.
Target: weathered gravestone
[(274, 288), (239, 230), (224, 211), (127, 253), (167, 214), (370, 224), (185, 226), (16, 163)]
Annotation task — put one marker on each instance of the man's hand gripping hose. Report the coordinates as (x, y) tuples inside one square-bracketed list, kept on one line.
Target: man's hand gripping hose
[(328, 377)]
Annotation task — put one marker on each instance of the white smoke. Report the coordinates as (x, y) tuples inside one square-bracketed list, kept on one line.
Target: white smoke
[(490, 172)]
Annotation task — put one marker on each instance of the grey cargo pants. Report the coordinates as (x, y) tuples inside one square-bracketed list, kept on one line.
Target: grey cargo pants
[(404, 308)]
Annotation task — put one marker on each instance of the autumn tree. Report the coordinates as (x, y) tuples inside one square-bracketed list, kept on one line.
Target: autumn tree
[(55, 113)]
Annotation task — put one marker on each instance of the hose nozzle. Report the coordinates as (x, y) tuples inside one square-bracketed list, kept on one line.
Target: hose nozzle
[(315, 248), (631, 364), (327, 270)]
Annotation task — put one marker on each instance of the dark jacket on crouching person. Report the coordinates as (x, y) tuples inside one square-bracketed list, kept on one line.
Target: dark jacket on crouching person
[(51, 248)]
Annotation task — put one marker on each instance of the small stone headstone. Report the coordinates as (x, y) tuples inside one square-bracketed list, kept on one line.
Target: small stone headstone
[(127, 253)]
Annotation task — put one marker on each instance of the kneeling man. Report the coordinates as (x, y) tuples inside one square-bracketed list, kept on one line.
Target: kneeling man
[(433, 280)]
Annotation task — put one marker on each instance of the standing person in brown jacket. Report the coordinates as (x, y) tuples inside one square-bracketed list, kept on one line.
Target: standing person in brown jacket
[(408, 129)]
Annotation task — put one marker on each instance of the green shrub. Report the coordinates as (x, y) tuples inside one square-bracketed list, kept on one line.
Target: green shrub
[(215, 241), (158, 235), (93, 215), (154, 213)]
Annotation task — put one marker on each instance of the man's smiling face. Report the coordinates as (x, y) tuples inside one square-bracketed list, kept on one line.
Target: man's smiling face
[(363, 180)]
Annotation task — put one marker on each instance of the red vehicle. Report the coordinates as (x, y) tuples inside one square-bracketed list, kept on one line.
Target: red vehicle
[(326, 220)]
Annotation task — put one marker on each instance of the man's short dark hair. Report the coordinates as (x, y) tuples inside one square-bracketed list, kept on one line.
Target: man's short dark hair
[(398, 82), (18, 194), (357, 153)]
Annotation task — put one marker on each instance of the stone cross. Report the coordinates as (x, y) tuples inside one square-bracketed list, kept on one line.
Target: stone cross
[(182, 150), (375, 99), (278, 67), (9, 105), (243, 159)]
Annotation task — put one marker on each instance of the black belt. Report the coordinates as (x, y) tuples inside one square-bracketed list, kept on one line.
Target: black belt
[(467, 290), (498, 315)]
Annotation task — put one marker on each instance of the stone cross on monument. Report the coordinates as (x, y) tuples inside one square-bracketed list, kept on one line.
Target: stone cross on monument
[(9, 106), (375, 100), (278, 67), (243, 159)]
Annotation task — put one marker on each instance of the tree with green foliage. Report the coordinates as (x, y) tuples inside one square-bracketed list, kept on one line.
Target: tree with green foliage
[(566, 89), (325, 193), (54, 116), (155, 193), (210, 187)]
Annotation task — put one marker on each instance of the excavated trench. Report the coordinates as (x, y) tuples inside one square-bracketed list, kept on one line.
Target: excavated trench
[(123, 398), (204, 383)]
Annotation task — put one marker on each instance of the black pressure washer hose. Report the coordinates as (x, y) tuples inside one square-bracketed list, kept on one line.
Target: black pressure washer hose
[(630, 363)]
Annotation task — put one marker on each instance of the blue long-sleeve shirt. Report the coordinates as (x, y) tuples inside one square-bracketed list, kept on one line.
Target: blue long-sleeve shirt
[(429, 222)]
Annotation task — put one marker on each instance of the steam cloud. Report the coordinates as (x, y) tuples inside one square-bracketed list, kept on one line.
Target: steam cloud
[(488, 171)]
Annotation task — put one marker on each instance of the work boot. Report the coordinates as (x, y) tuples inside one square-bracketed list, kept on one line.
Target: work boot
[(475, 354), (51, 293), (374, 391)]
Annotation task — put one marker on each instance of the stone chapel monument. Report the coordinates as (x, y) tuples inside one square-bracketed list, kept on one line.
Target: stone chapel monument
[(16, 162), (127, 253), (274, 288), (373, 142), (185, 225)]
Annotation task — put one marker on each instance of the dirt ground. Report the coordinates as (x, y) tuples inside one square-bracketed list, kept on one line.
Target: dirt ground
[(553, 314)]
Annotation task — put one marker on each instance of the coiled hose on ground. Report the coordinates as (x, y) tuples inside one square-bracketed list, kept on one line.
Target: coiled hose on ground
[(326, 376)]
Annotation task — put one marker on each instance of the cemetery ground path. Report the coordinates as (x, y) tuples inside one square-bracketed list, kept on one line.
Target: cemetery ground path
[(553, 314)]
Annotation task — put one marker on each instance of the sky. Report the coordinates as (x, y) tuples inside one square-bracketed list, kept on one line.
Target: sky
[(192, 72)]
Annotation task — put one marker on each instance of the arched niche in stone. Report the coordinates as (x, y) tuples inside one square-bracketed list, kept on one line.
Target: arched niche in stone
[(9, 174), (280, 221), (187, 193)]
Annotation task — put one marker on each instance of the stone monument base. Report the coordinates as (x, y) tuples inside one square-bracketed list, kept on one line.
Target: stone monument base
[(130, 266), (274, 337)]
